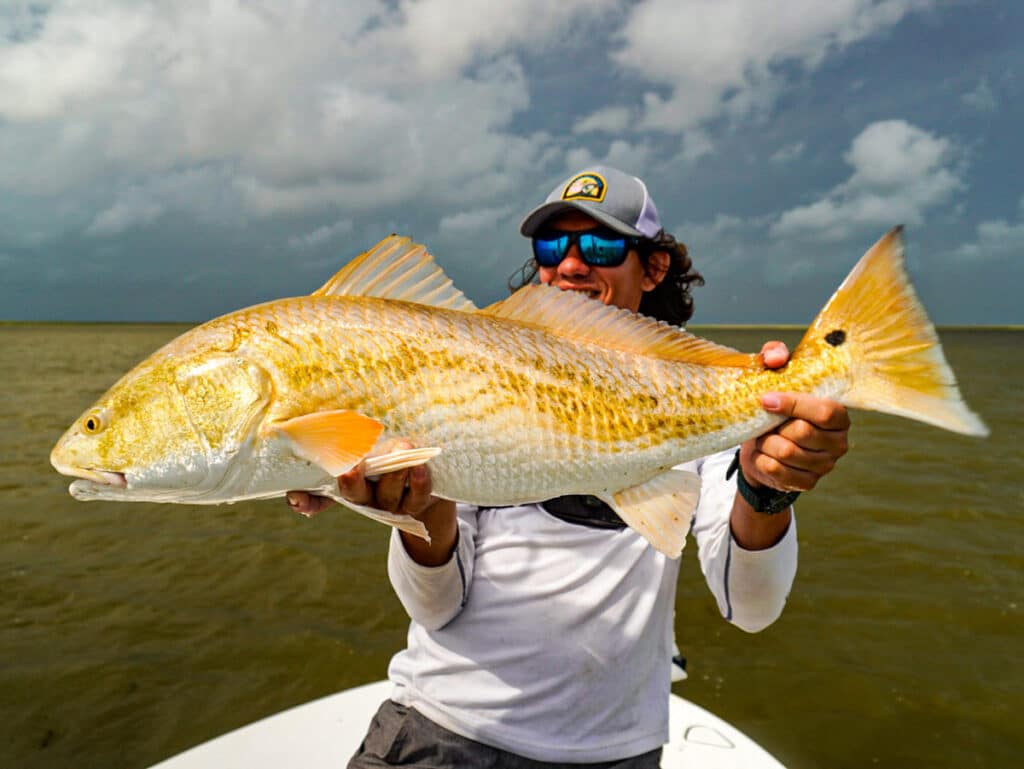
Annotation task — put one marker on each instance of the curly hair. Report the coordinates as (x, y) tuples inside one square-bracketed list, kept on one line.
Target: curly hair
[(670, 301)]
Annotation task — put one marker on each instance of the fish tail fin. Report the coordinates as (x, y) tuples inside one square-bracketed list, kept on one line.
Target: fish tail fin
[(894, 358)]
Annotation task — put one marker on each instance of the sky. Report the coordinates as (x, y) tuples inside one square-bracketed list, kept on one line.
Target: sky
[(179, 160)]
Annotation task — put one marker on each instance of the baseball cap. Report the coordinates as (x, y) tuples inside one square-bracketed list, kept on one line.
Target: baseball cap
[(614, 198)]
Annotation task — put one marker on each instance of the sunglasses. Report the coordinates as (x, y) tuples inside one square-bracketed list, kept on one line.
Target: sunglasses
[(597, 248)]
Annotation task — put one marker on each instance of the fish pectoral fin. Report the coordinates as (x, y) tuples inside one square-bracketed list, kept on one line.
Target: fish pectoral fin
[(334, 440), (401, 522), (660, 510), (399, 460)]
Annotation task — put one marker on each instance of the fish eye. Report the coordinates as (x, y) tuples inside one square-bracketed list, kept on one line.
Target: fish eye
[(93, 422)]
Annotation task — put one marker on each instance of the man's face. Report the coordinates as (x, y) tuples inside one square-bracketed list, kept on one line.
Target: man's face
[(622, 286)]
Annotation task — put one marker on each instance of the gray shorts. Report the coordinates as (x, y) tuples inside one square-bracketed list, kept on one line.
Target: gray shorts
[(399, 736)]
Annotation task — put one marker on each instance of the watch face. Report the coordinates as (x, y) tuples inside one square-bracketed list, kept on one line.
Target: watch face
[(778, 502), (765, 500)]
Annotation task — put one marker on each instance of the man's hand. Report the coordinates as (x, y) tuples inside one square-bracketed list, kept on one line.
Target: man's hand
[(307, 504), (799, 452), (408, 492), (792, 457)]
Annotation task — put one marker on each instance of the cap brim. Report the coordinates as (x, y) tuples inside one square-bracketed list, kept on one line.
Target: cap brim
[(538, 216)]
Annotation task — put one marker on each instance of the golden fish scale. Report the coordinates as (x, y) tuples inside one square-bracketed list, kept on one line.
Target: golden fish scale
[(399, 363)]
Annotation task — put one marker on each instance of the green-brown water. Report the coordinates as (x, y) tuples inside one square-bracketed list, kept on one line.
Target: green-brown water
[(130, 632)]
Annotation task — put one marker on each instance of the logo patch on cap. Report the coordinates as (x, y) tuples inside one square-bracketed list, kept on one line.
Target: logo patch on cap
[(585, 187)]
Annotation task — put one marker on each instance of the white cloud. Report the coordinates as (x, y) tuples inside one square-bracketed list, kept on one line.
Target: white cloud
[(996, 239), (78, 58), (899, 172), (124, 215), (723, 224), (696, 144), (723, 58), (725, 244), (982, 97), (233, 110), (279, 108), (475, 221), (893, 153), (633, 157), (613, 120), (327, 106), (19, 19), (579, 157), (321, 235), (787, 154), (445, 36)]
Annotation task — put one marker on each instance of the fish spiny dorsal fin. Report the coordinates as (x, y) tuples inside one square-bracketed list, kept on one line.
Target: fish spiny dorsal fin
[(575, 316), (396, 268)]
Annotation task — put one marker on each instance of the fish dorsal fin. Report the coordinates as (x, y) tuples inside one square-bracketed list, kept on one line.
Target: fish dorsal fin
[(573, 315), (660, 510), (397, 268)]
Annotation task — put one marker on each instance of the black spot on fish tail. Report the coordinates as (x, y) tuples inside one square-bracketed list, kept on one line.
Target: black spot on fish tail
[(836, 338)]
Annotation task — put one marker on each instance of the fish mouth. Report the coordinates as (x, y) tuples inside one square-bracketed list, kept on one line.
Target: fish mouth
[(118, 480), (101, 477)]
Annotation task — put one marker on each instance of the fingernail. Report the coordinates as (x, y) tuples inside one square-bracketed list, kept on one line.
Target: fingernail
[(292, 499), (771, 401)]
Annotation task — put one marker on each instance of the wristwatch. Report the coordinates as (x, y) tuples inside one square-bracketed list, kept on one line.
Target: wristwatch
[(765, 499)]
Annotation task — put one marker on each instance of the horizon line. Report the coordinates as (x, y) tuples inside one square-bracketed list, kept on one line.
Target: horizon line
[(726, 326)]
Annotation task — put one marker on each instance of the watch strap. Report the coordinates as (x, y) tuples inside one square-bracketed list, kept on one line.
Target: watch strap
[(764, 500)]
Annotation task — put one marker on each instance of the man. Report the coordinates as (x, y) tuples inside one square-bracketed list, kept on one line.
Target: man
[(541, 634)]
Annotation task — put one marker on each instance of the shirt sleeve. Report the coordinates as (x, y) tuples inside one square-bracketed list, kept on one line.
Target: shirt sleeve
[(750, 586), (433, 596)]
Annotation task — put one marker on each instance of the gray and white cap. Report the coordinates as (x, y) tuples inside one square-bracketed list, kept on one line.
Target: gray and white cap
[(614, 198)]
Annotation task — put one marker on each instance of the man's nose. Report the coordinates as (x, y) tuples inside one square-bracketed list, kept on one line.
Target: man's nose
[(573, 264)]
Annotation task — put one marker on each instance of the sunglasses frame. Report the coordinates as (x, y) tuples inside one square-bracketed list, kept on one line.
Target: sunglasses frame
[(586, 248)]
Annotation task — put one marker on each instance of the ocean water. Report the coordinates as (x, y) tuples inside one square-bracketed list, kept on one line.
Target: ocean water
[(131, 632)]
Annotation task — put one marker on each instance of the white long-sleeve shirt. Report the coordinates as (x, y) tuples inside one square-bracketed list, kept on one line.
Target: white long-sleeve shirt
[(554, 640)]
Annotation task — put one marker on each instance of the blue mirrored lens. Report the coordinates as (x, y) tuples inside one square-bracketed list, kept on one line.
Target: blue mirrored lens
[(602, 252), (550, 251)]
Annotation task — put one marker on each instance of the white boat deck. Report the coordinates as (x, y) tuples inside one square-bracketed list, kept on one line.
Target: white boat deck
[(324, 734)]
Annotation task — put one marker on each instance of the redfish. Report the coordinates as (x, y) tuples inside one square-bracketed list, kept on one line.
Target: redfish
[(543, 394)]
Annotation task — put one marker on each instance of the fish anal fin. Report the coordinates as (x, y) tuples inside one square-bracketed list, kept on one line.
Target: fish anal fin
[(402, 522), (397, 269), (333, 440), (661, 509), (577, 317)]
